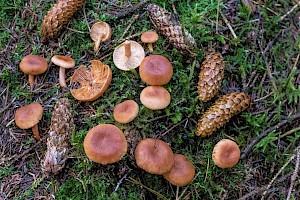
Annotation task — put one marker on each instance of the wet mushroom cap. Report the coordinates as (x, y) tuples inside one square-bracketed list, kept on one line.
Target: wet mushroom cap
[(105, 144), (156, 70), (126, 111), (33, 64), (149, 37), (154, 156), (155, 97), (63, 61), (226, 153), (100, 28), (182, 172), (29, 115)]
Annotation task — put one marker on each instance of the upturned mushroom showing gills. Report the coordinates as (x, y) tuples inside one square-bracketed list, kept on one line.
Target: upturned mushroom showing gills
[(226, 153), (28, 117), (100, 32), (89, 85), (128, 55), (33, 65), (64, 62), (149, 38)]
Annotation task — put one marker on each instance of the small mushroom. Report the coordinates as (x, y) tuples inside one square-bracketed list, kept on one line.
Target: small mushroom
[(128, 55), (155, 97), (64, 62), (126, 111), (156, 70), (28, 117), (182, 172), (149, 37), (154, 156), (105, 144), (226, 153), (100, 32), (33, 65)]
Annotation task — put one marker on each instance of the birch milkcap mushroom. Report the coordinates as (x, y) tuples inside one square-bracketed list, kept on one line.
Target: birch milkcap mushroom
[(128, 55), (126, 111), (155, 97), (64, 62), (149, 38), (226, 153), (100, 32)]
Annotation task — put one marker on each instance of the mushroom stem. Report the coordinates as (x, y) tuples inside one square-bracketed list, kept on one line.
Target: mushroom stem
[(31, 79), (62, 80), (127, 48), (150, 47), (97, 43), (35, 130)]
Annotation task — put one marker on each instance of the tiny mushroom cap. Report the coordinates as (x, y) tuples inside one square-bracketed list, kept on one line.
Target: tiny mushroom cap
[(154, 156), (156, 70), (155, 97), (33, 65), (126, 111), (105, 144), (226, 153), (100, 32), (29, 116), (128, 55), (64, 62), (182, 172), (149, 37)]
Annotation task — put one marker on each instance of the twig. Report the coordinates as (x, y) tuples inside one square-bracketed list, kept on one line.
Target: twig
[(128, 27), (120, 182), (177, 191), (229, 26), (185, 189), (217, 19), (131, 10), (85, 19), (295, 174), (161, 135), (289, 12), (266, 132)]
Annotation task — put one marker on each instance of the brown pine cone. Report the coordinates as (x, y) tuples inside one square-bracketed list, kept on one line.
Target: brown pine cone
[(171, 28), (57, 17), (210, 76), (61, 128), (220, 113)]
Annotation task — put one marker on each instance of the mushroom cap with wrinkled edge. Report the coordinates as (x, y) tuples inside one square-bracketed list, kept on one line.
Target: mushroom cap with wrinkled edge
[(133, 61), (156, 70), (63, 61), (155, 97), (105, 144), (154, 156), (100, 28), (126, 111), (149, 37), (182, 172), (226, 153), (33, 64), (29, 115)]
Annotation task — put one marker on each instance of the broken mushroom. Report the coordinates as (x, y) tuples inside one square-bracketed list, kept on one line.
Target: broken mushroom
[(28, 117), (226, 153), (64, 62), (149, 38), (155, 97), (100, 32), (126, 111), (128, 55)]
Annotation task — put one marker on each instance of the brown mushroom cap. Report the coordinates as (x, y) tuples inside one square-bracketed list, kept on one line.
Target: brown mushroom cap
[(226, 153), (155, 97), (100, 29), (182, 172), (105, 144), (63, 61), (127, 62), (149, 37), (29, 115), (126, 111), (33, 65), (156, 70), (154, 156)]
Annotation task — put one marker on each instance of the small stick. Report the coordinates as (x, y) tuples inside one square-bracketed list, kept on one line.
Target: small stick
[(289, 12), (172, 128), (128, 27), (229, 26), (177, 191), (120, 182), (85, 19), (295, 174), (218, 12)]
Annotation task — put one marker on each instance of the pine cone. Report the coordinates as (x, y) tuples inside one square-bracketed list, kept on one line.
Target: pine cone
[(62, 126), (210, 76), (171, 28), (220, 113), (57, 17)]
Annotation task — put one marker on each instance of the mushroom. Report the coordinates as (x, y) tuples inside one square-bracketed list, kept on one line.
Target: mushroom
[(64, 62), (33, 65), (128, 55), (126, 111), (28, 117), (156, 70), (226, 153), (105, 144), (155, 97), (154, 156), (149, 37), (100, 32), (182, 172)]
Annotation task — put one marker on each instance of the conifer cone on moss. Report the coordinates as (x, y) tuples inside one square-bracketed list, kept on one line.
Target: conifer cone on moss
[(210, 76), (57, 17), (61, 128), (223, 109), (171, 28)]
